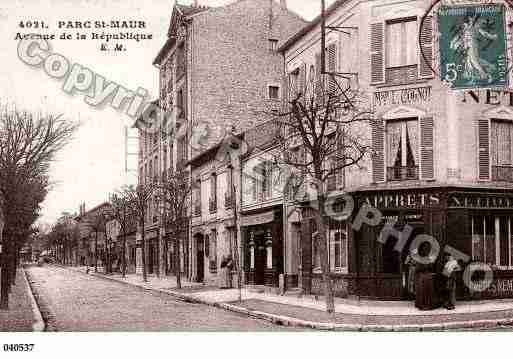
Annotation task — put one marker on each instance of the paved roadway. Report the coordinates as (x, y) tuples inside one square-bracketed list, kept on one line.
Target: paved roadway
[(72, 301)]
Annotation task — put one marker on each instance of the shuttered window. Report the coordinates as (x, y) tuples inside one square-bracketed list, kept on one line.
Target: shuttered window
[(484, 148), (427, 148), (377, 53), (378, 156), (501, 150)]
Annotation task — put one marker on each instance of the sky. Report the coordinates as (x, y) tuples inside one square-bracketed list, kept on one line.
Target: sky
[(93, 164)]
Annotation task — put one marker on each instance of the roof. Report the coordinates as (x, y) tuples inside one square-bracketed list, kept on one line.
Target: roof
[(178, 11), (311, 25)]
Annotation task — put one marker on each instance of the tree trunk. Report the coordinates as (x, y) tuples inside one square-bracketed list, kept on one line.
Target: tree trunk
[(178, 268), (106, 256), (124, 254), (143, 244), (323, 249), (4, 280), (96, 253), (166, 251)]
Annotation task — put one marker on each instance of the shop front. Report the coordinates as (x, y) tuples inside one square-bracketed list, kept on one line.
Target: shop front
[(475, 222), (262, 233), (478, 223)]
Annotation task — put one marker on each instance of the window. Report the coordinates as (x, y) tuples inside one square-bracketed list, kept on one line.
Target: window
[(180, 104), (182, 149), (274, 92), (501, 150), (401, 43), (402, 150), (338, 246), (273, 45), (213, 251), (213, 193), (492, 240), (294, 83)]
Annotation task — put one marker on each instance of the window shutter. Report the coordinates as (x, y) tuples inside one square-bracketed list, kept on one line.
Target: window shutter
[(377, 34), (484, 148), (340, 179), (332, 67), (426, 47), (318, 77), (378, 145), (427, 148), (302, 79)]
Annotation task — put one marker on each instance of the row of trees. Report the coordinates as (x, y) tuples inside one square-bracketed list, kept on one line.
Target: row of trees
[(28, 145), (128, 207)]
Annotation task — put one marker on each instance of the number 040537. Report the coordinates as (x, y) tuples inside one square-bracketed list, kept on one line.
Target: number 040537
[(18, 347)]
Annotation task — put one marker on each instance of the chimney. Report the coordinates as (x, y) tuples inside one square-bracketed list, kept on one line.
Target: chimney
[(283, 4)]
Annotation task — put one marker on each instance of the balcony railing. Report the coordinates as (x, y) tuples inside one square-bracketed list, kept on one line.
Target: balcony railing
[(212, 205), (502, 173), (228, 200), (402, 173), (197, 208)]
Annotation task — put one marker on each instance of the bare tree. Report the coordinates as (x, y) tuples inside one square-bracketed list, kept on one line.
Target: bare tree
[(98, 221), (320, 136), (174, 193), (123, 212), (28, 145), (138, 199)]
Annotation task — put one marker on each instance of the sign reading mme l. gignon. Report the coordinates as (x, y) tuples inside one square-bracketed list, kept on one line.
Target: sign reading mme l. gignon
[(473, 46)]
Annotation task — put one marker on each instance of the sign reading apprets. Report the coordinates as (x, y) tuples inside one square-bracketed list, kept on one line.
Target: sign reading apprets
[(473, 46)]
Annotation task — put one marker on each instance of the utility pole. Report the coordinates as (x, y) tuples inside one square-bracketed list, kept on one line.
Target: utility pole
[(323, 37)]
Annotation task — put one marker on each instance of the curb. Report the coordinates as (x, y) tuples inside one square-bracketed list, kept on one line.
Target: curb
[(39, 325), (324, 326)]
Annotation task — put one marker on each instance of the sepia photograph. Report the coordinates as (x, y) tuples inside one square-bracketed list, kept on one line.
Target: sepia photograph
[(316, 167)]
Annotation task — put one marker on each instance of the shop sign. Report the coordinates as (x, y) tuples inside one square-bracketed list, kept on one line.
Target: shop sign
[(473, 46), (403, 200), (410, 96), (480, 201), (256, 219), (501, 288)]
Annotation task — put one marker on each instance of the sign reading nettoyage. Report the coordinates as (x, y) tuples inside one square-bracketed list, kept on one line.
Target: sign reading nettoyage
[(473, 46)]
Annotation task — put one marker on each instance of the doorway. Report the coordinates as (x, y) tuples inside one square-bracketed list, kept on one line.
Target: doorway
[(260, 258), (200, 258)]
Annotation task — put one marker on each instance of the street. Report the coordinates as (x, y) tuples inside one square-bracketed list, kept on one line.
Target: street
[(72, 301)]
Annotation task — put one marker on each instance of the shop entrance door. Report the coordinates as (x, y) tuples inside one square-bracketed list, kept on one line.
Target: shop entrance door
[(260, 258)]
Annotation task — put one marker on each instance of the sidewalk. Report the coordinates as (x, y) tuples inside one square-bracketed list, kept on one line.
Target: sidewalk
[(306, 311), (23, 314)]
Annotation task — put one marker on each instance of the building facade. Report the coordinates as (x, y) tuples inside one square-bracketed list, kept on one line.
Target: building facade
[(441, 160), (220, 73)]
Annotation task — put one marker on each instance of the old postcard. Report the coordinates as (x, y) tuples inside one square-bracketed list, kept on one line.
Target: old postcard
[(255, 166)]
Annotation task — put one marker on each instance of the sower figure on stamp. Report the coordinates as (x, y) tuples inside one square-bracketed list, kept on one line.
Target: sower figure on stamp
[(451, 268)]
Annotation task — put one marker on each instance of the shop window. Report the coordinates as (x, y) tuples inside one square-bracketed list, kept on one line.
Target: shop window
[(491, 240), (338, 246), (402, 150), (501, 150)]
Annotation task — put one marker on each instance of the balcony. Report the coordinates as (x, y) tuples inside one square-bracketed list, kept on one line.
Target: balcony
[(228, 200), (402, 173), (197, 209), (212, 205), (502, 173)]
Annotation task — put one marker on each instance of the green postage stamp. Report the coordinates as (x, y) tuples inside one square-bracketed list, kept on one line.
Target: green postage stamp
[(473, 46)]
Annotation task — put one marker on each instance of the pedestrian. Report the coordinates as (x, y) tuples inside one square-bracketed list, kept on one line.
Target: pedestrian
[(409, 276), (226, 272), (451, 268)]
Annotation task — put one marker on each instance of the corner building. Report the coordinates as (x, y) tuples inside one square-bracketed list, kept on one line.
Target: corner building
[(442, 161)]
